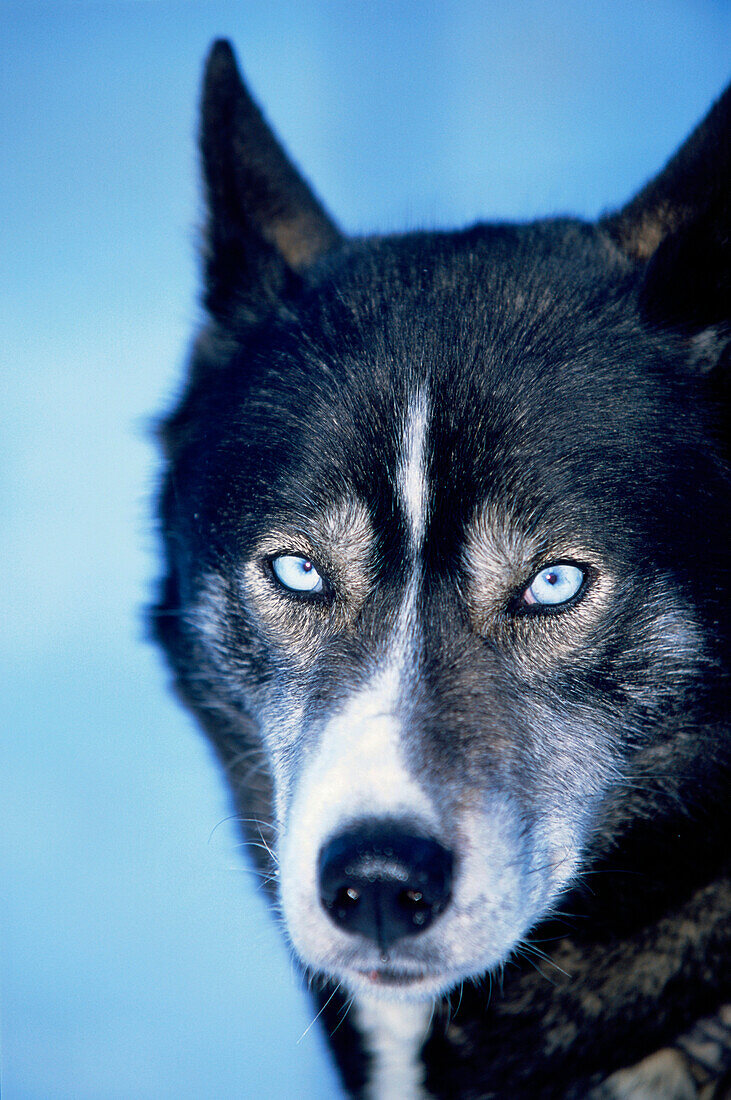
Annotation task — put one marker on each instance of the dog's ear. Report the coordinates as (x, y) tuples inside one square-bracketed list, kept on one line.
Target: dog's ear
[(680, 226), (265, 226)]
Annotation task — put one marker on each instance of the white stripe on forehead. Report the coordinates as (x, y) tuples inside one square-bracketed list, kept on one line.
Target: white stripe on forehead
[(411, 482)]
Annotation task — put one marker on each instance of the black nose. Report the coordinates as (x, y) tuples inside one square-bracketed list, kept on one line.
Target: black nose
[(383, 882)]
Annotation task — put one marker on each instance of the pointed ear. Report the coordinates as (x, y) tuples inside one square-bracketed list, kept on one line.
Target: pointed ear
[(680, 225), (265, 225)]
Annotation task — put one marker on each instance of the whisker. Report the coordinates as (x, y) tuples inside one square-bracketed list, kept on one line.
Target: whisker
[(343, 1014), (231, 817), (459, 1002), (319, 1014)]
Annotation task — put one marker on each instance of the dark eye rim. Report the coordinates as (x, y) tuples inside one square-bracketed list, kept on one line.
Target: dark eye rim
[(520, 609), (324, 596)]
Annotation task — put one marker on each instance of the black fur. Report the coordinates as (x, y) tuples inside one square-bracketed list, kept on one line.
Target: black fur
[(579, 374)]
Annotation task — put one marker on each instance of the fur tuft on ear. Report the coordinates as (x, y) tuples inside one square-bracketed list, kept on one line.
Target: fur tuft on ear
[(264, 223), (693, 181), (680, 226)]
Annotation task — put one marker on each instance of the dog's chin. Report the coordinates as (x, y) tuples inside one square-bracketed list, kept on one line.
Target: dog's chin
[(396, 985), (393, 981)]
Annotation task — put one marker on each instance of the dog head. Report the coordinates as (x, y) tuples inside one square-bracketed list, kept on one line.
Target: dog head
[(439, 518)]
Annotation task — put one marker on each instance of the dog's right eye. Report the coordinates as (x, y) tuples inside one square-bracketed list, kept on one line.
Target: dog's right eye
[(297, 574)]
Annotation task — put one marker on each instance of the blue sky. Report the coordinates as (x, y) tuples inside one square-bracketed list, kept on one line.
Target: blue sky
[(138, 959)]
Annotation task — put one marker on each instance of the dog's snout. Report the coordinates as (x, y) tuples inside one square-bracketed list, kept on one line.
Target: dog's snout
[(384, 882)]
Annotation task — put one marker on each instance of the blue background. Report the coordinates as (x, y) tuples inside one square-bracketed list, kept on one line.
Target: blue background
[(138, 959)]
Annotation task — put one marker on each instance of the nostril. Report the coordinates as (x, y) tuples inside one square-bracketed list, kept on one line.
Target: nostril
[(414, 903), (345, 901), (378, 880)]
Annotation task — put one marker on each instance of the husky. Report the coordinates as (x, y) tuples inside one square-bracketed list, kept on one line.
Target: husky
[(445, 521)]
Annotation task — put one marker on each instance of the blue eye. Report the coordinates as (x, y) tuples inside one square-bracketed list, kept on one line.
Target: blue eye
[(297, 574), (556, 584)]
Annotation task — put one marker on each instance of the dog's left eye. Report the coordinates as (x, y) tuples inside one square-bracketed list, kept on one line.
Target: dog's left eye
[(296, 573), (554, 585)]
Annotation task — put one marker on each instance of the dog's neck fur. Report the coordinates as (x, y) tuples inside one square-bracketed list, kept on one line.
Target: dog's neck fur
[(393, 1035)]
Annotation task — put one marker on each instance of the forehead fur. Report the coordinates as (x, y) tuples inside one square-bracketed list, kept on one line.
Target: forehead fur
[(496, 326)]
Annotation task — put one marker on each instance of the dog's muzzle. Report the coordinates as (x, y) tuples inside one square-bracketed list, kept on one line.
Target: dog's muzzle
[(380, 881)]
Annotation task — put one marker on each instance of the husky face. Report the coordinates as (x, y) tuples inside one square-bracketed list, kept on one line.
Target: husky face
[(374, 495), (443, 581)]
